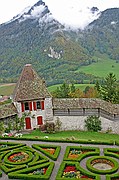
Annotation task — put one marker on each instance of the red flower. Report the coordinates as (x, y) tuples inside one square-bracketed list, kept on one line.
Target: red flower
[(70, 168)]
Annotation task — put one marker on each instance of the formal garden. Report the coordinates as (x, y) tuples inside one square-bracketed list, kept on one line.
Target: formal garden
[(38, 160)]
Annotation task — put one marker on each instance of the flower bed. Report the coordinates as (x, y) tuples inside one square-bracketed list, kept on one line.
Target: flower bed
[(52, 151), (39, 171), (18, 157), (72, 170), (49, 150), (77, 153)]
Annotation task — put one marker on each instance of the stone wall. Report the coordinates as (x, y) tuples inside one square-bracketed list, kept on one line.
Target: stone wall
[(78, 123)]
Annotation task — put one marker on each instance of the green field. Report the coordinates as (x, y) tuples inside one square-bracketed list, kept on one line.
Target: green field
[(101, 68), (80, 86), (7, 89)]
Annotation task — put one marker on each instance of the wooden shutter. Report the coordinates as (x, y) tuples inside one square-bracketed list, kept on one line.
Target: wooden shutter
[(30, 106), (34, 106), (22, 107), (42, 105)]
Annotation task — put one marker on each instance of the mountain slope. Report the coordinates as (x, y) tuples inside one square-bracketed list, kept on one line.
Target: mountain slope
[(101, 36), (56, 53)]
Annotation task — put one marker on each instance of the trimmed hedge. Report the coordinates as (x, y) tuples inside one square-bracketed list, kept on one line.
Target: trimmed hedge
[(11, 145), (94, 151), (24, 174), (112, 177), (7, 168), (38, 159), (30, 158), (117, 143), (52, 156), (78, 167), (99, 171), (80, 141), (111, 152)]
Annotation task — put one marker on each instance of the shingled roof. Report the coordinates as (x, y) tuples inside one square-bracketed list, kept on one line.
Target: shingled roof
[(30, 86), (88, 103), (7, 110)]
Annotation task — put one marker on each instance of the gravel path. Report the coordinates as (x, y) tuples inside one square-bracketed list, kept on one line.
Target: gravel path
[(61, 155)]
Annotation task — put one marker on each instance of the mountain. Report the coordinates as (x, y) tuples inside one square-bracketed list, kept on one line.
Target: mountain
[(35, 37)]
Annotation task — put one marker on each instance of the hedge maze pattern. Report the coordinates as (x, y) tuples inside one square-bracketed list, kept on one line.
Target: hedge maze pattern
[(20, 161)]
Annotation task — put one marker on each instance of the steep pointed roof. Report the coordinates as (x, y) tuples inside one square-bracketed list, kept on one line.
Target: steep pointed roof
[(30, 86)]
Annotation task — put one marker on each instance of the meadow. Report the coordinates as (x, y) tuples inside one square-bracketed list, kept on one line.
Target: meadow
[(7, 89), (101, 68)]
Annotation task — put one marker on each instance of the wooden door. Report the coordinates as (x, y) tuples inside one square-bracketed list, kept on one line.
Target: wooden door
[(39, 120), (28, 122)]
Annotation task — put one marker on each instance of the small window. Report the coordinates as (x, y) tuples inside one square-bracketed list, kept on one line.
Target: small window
[(38, 105), (26, 106)]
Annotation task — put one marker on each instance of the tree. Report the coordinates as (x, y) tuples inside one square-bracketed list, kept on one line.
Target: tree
[(93, 123), (19, 123), (62, 91), (72, 88), (108, 90)]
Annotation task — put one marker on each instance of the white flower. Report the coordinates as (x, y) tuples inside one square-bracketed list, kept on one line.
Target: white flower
[(46, 137)]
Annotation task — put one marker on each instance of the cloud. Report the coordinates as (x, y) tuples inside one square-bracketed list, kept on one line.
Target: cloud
[(11, 8), (76, 13)]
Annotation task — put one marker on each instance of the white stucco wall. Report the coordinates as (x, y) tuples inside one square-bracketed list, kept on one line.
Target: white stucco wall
[(78, 123)]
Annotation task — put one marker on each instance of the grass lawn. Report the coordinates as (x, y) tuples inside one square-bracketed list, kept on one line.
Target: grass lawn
[(80, 86), (81, 135), (7, 89), (101, 68)]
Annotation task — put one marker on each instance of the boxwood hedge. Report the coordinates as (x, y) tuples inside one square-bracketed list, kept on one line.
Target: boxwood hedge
[(101, 171), (25, 173)]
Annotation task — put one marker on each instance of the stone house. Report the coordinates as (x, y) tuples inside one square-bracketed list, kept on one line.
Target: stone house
[(31, 97)]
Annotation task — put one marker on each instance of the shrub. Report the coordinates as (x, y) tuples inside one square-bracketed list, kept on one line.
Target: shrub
[(93, 123)]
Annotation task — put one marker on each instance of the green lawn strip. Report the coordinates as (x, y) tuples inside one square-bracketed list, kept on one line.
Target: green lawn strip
[(71, 136), (101, 171), (8, 146), (93, 151), (52, 156), (27, 173), (112, 152), (78, 168)]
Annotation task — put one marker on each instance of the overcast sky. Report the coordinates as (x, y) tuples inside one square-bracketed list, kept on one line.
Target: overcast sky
[(66, 11)]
